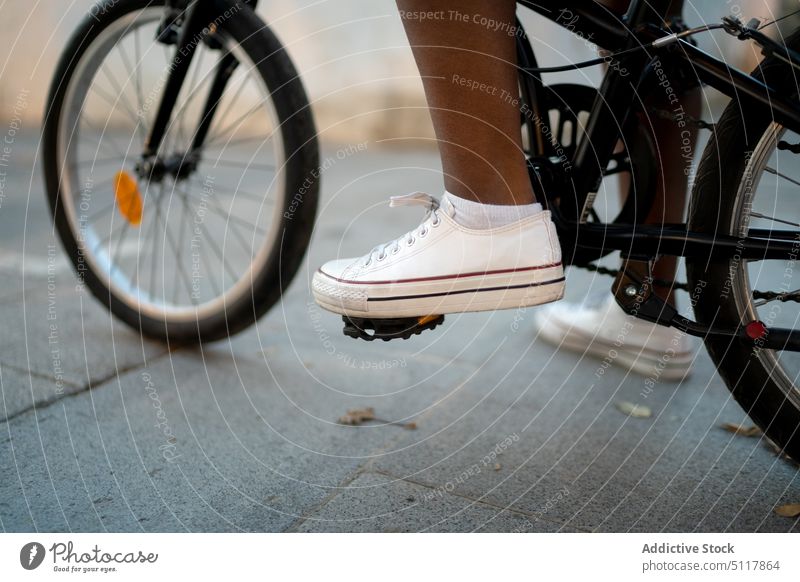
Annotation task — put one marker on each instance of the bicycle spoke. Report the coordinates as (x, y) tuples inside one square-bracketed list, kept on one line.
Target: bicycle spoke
[(143, 239), (240, 220), (139, 99), (123, 100), (115, 258), (139, 91), (244, 165), (220, 117), (103, 134), (189, 209), (239, 141), (231, 192), (181, 233), (155, 240), (237, 233), (238, 121), (780, 175), (193, 91), (180, 266), (97, 161), (759, 215), (213, 245), (99, 213)]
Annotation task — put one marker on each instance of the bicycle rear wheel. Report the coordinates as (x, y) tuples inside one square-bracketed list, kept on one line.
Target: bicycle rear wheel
[(200, 253), (747, 179)]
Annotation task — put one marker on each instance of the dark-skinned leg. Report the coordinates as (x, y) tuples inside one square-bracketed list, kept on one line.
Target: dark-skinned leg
[(670, 196), (468, 69)]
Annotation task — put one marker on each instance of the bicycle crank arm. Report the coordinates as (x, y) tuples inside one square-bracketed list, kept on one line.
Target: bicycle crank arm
[(635, 296)]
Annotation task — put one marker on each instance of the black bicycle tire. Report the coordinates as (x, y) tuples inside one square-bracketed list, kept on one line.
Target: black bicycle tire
[(711, 210), (302, 161)]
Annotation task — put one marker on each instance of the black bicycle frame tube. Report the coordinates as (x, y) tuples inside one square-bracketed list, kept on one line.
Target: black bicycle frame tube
[(225, 68), (198, 16), (675, 240), (640, 26)]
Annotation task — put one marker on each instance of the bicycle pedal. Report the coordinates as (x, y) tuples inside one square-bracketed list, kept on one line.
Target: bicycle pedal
[(370, 329)]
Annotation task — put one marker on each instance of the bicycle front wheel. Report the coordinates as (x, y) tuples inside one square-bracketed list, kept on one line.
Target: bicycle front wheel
[(201, 248), (748, 179)]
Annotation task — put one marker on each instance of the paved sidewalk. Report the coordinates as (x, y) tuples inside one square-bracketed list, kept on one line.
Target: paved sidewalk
[(101, 430)]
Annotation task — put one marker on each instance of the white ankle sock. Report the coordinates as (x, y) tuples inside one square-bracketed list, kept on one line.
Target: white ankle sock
[(479, 216)]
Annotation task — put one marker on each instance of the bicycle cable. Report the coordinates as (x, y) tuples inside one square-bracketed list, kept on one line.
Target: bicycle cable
[(784, 17), (659, 42)]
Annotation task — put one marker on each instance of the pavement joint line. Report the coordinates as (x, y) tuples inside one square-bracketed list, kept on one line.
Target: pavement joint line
[(516, 511), (295, 525), (90, 385), (35, 374)]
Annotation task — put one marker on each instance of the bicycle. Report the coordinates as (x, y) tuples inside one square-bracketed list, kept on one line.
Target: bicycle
[(731, 242), (180, 159), (571, 134)]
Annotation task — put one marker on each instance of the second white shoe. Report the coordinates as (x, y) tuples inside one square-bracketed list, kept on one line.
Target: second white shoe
[(600, 328), (441, 267)]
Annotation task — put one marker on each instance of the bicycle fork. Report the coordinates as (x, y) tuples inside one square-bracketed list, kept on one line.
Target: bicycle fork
[(186, 27)]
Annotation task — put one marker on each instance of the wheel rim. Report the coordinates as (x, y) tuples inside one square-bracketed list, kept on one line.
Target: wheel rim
[(203, 240), (783, 367)]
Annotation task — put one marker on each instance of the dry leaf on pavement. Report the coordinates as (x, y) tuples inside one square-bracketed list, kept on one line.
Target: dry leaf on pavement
[(738, 429), (788, 510), (634, 410), (358, 416)]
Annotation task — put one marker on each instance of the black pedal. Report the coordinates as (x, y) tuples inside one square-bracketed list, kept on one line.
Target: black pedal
[(388, 329)]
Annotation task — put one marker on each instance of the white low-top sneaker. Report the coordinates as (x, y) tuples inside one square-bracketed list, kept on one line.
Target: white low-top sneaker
[(600, 328), (441, 267)]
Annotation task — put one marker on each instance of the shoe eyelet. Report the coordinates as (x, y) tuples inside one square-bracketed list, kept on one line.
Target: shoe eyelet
[(423, 233), (395, 250), (436, 221), (411, 240), (381, 257), (368, 263)]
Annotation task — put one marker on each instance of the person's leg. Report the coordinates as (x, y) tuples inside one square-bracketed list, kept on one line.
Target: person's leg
[(466, 55), (596, 327), (487, 245), (669, 204)]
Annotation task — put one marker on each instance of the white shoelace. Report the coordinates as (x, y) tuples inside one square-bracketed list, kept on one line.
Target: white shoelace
[(432, 220)]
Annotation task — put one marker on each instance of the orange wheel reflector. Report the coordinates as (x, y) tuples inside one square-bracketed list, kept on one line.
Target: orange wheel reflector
[(426, 319), (129, 201)]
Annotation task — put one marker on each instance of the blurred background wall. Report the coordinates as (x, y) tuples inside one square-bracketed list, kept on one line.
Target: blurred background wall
[(352, 54)]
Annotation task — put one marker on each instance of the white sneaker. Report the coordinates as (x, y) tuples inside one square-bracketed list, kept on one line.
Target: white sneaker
[(602, 329), (442, 267)]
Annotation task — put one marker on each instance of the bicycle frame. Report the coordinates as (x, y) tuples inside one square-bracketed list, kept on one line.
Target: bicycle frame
[(618, 96)]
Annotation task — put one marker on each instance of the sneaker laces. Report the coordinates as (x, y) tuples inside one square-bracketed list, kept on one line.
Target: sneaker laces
[(379, 253)]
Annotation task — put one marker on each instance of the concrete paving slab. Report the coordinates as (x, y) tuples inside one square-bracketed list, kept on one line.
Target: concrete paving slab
[(20, 389), (675, 471), (64, 333), (379, 503)]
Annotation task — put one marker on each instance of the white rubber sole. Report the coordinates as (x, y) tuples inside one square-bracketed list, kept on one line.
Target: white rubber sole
[(484, 292), (646, 363)]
